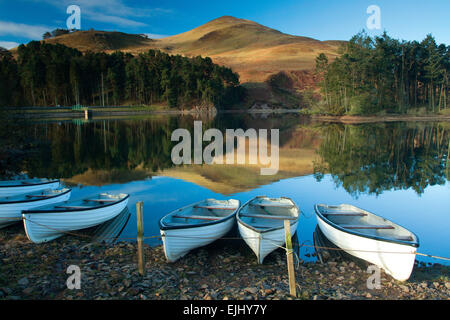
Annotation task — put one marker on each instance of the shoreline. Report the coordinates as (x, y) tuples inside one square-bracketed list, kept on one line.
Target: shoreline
[(220, 271), (97, 112), (374, 119)]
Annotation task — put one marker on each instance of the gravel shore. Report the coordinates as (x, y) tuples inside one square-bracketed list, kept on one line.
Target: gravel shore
[(217, 272)]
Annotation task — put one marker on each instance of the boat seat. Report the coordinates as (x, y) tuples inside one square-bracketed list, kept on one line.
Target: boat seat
[(268, 217), (99, 200), (348, 226), (268, 205), (73, 207), (405, 238), (198, 217), (214, 208), (38, 196), (346, 214)]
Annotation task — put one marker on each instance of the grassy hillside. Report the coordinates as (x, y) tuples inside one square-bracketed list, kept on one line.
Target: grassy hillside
[(251, 49), (98, 41)]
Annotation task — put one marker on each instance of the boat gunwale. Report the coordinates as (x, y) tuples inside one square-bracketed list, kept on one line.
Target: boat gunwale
[(30, 185), (271, 229), (37, 199), (414, 244), (77, 209), (163, 227)]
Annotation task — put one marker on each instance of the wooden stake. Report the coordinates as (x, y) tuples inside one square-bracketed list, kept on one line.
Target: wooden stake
[(140, 238), (290, 258)]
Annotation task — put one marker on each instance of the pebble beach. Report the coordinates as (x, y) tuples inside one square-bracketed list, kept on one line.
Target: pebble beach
[(220, 271)]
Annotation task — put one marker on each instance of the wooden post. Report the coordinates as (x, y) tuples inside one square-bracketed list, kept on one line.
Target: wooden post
[(140, 236), (290, 258)]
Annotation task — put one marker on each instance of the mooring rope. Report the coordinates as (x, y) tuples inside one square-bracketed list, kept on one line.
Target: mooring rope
[(431, 256), (273, 241)]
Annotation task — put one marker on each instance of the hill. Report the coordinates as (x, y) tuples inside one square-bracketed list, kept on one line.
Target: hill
[(99, 41), (253, 50)]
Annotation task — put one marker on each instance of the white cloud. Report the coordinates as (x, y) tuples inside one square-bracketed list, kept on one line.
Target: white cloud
[(22, 30), (115, 20), (110, 11), (9, 44)]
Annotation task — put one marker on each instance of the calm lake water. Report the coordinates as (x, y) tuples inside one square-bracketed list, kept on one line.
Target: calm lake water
[(397, 170)]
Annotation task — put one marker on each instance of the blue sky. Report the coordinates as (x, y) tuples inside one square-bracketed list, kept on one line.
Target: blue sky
[(24, 20)]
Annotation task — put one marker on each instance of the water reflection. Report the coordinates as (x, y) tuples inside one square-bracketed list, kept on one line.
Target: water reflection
[(111, 230), (363, 159), (373, 158)]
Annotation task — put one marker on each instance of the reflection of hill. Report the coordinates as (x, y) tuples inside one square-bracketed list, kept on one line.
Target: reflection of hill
[(103, 177), (368, 158), (297, 156), (227, 179)]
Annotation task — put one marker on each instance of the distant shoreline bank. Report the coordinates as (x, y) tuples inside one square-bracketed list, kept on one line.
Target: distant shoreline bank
[(385, 118), (102, 112)]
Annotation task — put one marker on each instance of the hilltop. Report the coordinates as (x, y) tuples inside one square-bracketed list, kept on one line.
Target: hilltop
[(101, 41), (250, 49), (253, 50)]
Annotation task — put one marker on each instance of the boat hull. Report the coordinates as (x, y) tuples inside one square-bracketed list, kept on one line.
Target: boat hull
[(396, 259), (8, 191), (178, 242), (11, 213), (263, 243), (46, 226)]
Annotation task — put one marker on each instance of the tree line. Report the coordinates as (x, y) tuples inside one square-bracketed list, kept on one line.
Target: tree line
[(53, 74), (384, 74)]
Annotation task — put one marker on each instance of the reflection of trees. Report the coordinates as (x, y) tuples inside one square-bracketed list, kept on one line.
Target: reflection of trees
[(373, 158), (16, 143), (67, 149), (362, 158)]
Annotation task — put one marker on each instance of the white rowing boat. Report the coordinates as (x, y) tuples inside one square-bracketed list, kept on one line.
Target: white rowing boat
[(369, 237), (16, 187), (196, 225), (261, 223), (50, 222), (11, 207)]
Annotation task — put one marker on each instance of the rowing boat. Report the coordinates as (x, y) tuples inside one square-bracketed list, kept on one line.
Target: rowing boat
[(50, 222), (11, 188), (261, 223), (196, 225), (11, 207), (369, 237)]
